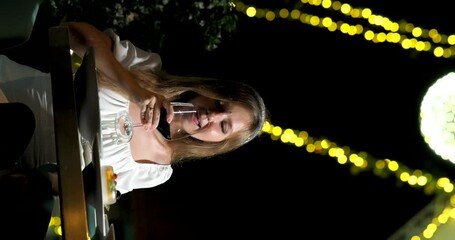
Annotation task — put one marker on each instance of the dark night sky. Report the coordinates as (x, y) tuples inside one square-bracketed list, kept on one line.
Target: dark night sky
[(368, 100)]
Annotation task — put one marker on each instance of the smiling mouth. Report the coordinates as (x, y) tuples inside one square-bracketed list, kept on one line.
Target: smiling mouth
[(199, 115)]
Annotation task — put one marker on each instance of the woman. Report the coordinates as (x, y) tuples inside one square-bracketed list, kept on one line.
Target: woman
[(131, 80)]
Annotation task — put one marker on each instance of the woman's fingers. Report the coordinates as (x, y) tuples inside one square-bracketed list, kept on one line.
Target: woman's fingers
[(169, 109), (151, 113), (150, 105)]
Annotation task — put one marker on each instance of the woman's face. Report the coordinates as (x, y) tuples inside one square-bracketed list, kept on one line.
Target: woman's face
[(216, 120)]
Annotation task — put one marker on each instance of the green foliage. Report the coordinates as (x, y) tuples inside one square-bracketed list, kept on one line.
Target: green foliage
[(151, 24)]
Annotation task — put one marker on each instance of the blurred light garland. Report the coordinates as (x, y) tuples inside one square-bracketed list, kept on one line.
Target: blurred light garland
[(404, 33), (362, 161)]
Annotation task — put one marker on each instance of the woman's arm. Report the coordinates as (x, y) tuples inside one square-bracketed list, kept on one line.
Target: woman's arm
[(131, 56), (83, 36)]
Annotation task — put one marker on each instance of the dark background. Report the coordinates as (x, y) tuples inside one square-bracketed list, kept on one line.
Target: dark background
[(351, 91)]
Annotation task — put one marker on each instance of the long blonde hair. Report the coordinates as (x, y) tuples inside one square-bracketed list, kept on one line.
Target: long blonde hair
[(175, 87)]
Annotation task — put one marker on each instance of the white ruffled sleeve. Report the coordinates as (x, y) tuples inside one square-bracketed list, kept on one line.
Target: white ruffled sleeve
[(142, 176), (131, 56)]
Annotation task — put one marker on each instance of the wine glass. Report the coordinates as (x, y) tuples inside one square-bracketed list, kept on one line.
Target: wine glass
[(183, 124), (119, 127)]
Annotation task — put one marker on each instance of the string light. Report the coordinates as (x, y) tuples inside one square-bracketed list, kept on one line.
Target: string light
[(361, 161), (377, 29)]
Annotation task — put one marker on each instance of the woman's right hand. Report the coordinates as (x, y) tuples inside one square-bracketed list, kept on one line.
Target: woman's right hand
[(150, 105), (83, 35)]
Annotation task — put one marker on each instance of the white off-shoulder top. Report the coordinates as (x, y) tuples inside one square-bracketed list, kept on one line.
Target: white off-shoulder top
[(130, 174)]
